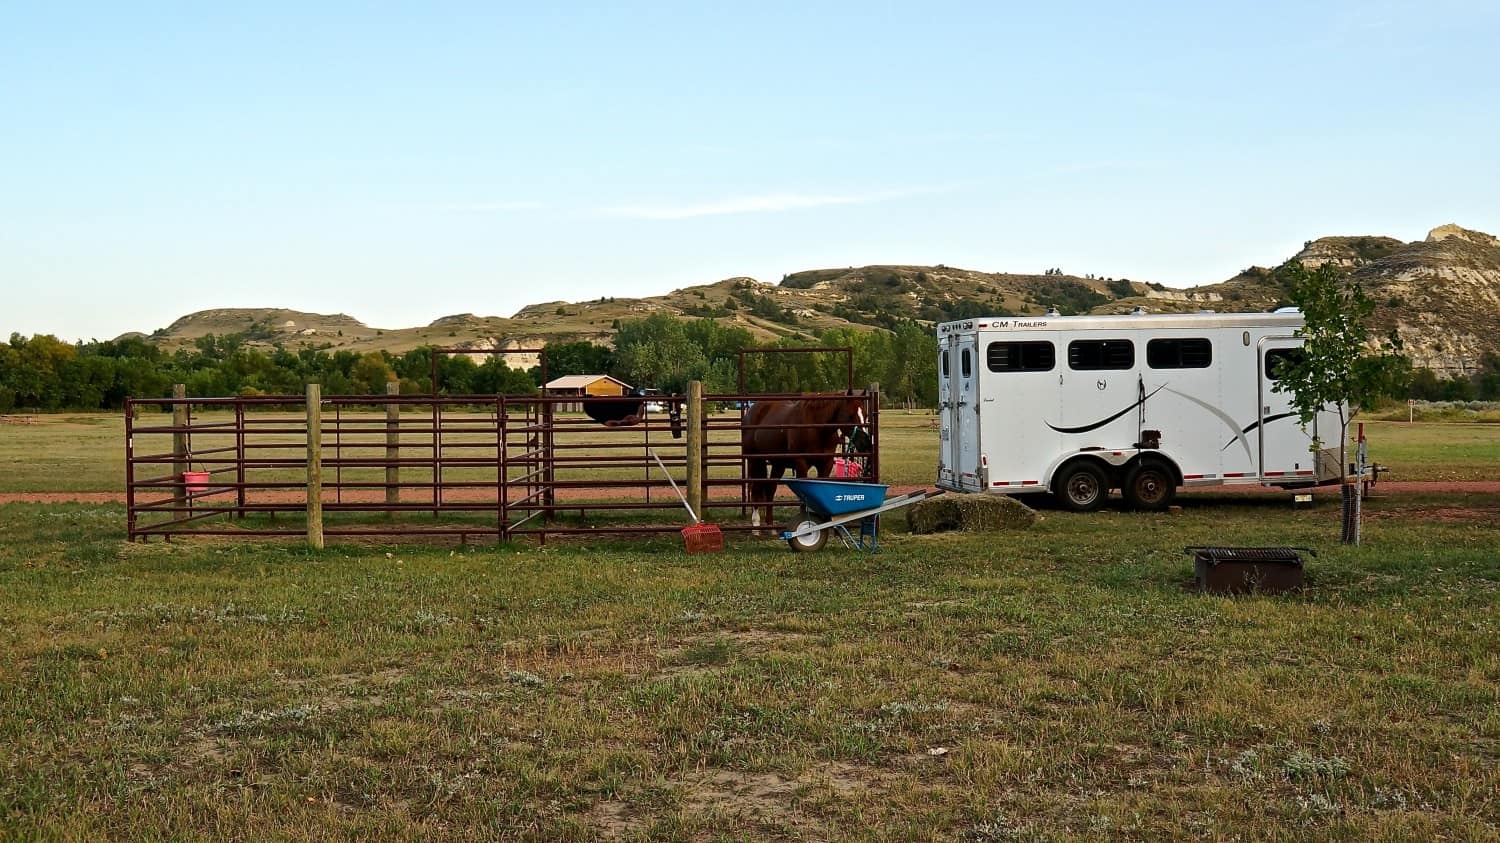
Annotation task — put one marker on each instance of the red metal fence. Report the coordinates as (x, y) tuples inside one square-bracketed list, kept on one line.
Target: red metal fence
[(457, 466)]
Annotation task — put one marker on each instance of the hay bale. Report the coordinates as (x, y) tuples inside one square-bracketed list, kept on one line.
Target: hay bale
[(934, 516), (994, 513), (977, 513)]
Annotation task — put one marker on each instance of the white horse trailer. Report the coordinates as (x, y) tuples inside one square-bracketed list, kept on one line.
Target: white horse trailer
[(1078, 405)]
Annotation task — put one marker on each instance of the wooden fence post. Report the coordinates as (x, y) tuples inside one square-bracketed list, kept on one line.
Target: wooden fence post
[(315, 466), (694, 448), (392, 448), (180, 455)]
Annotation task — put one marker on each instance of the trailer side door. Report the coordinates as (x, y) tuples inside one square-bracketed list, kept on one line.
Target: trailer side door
[(1282, 443)]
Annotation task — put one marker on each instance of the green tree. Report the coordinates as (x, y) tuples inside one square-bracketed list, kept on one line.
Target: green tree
[(371, 372), (1487, 382), (657, 352), (1340, 366), (911, 375), (577, 358), (495, 377), (37, 374)]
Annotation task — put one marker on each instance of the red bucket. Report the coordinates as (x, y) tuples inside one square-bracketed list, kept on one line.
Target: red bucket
[(195, 481), (846, 469), (703, 538)]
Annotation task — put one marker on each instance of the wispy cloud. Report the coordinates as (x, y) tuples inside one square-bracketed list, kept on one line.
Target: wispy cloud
[(764, 203)]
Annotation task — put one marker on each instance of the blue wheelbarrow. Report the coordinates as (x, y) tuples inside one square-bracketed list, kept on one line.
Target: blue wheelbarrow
[(831, 506)]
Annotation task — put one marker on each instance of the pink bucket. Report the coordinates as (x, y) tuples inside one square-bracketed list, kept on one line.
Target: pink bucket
[(195, 481), (845, 469)]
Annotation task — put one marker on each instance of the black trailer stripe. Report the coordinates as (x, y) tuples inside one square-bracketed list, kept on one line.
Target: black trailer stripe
[(1098, 424), (1253, 425)]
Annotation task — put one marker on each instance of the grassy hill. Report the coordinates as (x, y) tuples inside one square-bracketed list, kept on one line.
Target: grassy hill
[(1441, 295)]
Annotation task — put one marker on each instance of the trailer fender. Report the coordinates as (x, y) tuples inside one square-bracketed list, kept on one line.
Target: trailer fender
[(1159, 456), (1055, 470)]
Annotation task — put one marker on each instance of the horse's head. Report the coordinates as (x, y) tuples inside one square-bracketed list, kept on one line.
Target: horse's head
[(853, 424)]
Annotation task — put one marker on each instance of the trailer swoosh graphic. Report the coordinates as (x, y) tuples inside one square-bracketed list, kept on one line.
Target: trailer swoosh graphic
[(1224, 417), (1253, 425), (1102, 422)]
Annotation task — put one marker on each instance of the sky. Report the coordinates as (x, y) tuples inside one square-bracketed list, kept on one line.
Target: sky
[(402, 162)]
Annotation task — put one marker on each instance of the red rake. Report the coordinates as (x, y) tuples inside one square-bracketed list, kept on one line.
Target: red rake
[(700, 537)]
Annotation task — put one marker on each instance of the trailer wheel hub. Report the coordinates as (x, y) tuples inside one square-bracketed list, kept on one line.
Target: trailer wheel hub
[(1083, 488)]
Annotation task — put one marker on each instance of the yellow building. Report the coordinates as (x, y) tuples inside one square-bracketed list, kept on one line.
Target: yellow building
[(581, 385)]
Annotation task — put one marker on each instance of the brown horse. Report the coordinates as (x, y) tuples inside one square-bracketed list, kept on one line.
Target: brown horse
[(774, 441)]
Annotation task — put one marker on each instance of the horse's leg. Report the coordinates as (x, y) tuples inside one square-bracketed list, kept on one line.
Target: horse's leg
[(769, 497), (758, 470)]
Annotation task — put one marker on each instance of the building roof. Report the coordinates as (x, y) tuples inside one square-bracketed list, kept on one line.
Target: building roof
[(581, 381)]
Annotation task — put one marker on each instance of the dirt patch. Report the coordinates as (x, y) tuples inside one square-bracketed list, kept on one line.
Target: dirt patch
[(1445, 514), (62, 497), (777, 797), (755, 795), (613, 820), (849, 779)]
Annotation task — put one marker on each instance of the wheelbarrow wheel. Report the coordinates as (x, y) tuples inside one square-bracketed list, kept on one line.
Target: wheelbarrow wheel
[(809, 542)]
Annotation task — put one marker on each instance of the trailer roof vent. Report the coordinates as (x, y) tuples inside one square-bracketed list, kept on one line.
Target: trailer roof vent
[(1139, 311), (1052, 311)]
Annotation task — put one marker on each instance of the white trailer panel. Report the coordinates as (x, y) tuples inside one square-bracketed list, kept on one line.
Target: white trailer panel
[(1076, 405)]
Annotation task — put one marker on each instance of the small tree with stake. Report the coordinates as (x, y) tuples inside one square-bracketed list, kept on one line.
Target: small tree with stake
[(1339, 365)]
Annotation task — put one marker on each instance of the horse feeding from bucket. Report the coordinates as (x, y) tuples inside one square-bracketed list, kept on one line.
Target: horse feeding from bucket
[(803, 435)]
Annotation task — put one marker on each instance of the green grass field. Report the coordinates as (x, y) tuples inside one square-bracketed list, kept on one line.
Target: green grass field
[(1060, 683), (1057, 683)]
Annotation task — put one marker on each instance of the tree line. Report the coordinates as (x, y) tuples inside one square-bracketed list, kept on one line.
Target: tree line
[(1482, 384), (662, 352)]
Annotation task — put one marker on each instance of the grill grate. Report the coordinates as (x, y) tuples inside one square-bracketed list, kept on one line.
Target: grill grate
[(1281, 555)]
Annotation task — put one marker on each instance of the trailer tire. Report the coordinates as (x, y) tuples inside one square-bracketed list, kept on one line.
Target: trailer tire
[(808, 543), (1150, 485), (1081, 486)]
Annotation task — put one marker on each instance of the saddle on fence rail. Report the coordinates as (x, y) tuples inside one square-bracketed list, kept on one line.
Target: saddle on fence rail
[(621, 413), (630, 411)]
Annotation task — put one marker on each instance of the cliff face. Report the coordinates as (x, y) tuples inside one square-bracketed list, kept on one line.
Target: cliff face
[(1441, 295)]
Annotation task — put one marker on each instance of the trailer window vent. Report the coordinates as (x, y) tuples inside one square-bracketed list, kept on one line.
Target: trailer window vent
[(1278, 357), (1192, 353), (1020, 356), (1091, 355)]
